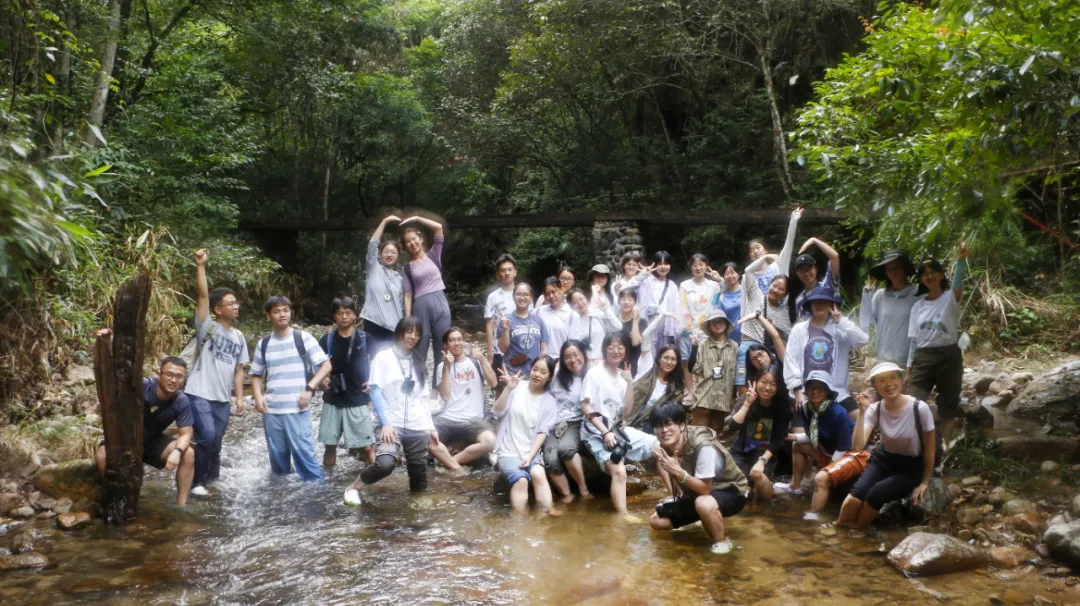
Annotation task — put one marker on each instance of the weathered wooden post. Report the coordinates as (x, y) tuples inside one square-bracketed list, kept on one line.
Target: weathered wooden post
[(118, 370)]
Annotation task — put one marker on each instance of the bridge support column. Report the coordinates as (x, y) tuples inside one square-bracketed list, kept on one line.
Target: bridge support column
[(613, 239)]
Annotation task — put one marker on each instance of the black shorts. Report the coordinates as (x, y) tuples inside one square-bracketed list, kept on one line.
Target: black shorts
[(152, 448), (747, 460), (729, 500)]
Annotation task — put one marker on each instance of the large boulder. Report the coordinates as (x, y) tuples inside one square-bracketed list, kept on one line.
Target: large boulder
[(1063, 540), (926, 554), (1038, 447), (75, 480), (1056, 393)]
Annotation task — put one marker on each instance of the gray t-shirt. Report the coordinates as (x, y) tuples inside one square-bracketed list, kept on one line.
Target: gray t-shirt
[(212, 377)]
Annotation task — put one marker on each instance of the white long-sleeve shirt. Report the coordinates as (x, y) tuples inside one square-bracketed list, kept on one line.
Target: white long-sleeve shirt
[(827, 349)]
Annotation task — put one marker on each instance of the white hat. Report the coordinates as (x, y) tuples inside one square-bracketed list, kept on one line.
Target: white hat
[(881, 368)]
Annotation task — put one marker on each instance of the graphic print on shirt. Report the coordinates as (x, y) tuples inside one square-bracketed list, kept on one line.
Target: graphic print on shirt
[(758, 434), (818, 354), (225, 349)]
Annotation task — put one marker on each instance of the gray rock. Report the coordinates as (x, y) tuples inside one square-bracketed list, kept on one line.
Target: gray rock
[(993, 401), (982, 384), (978, 415), (23, 541), (1016, 506), (934, 501), (926, 554), (21, 513), (63, 505), (1059, 519), (1022, 377), (1063, 541), (971, 481), (1000, 496), (1056, 392), (1049, 466), (1038, 447), (1000, 384)]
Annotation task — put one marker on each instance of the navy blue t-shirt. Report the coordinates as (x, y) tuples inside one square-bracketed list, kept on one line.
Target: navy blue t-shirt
[(159, 414), (835, 427)]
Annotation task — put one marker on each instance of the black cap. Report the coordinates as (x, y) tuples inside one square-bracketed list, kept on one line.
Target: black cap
[(804, 259)]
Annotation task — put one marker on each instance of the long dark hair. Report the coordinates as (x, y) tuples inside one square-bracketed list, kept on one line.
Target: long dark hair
[(404, 326), (751, 370), (676, 383), (663, 256), (564, 375)]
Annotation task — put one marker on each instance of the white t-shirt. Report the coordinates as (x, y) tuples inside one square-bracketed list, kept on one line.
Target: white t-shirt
[(709, 464), (519, 422), (658, 392), (404, 411), (935, 323), (898, 432), (466, 401), (605, 394), (557, 323), (696, 301)]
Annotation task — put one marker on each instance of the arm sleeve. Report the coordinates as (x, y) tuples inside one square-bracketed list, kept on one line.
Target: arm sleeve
[(548, 414), (855, 335), (438, 374), (705, 465), (870, 420), (793, 371), (244, 359), (378, 402), (324, 345), (926, 416), (372, 257), (544, 335), (958, 275), (489, 305), (315, 354), (844, 433), (186, 419), (437, 248), (258, 366), (611, 323), (789, 245), (868, 309)]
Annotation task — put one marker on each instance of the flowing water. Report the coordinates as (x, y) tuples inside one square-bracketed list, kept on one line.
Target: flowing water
[(262, 539)]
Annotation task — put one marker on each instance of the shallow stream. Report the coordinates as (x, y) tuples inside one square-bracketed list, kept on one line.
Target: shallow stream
[(261, 539)]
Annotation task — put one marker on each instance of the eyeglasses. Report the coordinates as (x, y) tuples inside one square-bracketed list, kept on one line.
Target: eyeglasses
[(174, 376)]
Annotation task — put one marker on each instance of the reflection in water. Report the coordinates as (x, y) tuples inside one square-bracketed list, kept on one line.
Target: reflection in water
[(268, 540)]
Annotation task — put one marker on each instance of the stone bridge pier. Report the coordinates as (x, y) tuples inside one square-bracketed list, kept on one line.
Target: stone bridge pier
[(613, 239)]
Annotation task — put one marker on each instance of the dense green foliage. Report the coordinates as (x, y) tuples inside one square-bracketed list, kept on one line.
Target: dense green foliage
[(923, 121)]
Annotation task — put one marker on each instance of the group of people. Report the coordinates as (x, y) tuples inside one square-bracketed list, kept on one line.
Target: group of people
[(717, 379)]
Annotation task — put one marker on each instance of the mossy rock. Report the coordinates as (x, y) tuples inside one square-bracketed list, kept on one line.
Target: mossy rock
[(75, 480)]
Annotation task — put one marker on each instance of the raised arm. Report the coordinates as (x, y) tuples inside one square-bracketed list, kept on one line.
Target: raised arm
[(377, 236), (202, 306), (434, 226), (862, 432), (444, 377), (961, 269), (830, 252), (789, 242), (868, 309)]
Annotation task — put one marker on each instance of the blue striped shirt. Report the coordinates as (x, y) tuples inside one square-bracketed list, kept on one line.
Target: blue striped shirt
[(286, 378)]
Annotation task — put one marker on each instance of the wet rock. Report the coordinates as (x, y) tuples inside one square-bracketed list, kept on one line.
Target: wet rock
[(1053, 392), (63, 505), (964, 534), (1015, 506), (931, 554), (1063, 541), (87, 506), (994, 401), (71, 521), (1049, 466), (10, 501), (982, 384), (1028, 522), (1000, 496), (635, 486), (1010, 556), (75, 480), (23, 541), (1038, 447), (22, 513), (955, 491), (1042, 550), (968, 515), (23, 560), (988, 536), (979, 416), (971, 481), (934, 501), (46, 515)]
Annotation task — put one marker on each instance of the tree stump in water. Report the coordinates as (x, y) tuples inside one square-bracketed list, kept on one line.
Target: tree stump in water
[(118, 370)]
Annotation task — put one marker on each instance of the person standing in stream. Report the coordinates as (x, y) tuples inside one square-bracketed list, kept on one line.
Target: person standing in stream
[(425, 292), (935, 358), (383, 301), (218, 370)]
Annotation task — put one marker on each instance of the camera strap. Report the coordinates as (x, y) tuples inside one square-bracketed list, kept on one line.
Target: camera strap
[(348, 353)]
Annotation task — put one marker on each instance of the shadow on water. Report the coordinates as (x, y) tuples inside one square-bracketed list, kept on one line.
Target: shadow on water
[(270, 540)]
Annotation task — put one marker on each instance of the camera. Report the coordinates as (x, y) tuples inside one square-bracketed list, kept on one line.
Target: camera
[(667, 507), (338, 384), (408, 385), (622, 445)]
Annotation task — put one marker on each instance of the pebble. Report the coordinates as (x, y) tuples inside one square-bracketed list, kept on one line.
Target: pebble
[(1049, 466), (971, 481), (71, 521), (955, 491)]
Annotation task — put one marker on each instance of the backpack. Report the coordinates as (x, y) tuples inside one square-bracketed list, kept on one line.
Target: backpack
[(918, 429), (192, 352), (298, 342)]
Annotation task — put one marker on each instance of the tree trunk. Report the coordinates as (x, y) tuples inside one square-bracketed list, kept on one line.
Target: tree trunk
[(780, 146), (101, 82), (118, 366), (63, 80)]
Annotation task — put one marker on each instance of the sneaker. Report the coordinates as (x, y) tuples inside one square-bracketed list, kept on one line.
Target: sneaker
[(199, 491), (352, 497), (811, 516), (722, 547), (785, 488)]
